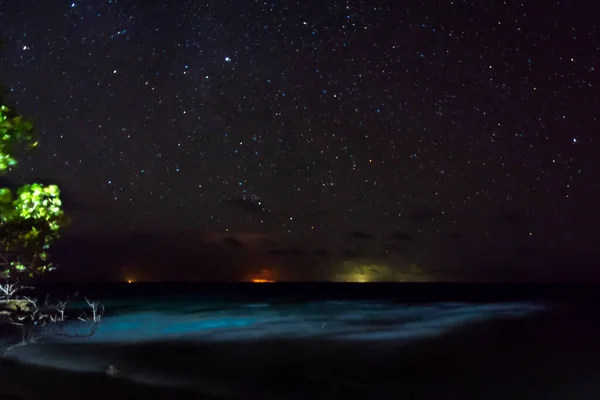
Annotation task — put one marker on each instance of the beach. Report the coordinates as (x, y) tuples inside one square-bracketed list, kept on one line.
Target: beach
[(544, 353), (549, 355)]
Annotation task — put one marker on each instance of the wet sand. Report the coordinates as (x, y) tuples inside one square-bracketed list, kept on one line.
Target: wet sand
[(19, 381)]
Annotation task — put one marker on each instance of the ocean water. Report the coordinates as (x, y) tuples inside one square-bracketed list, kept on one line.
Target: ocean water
[(293, 341)]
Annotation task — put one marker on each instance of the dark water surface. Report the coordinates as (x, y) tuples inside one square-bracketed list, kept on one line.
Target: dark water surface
[(297, 341), (407, 292)]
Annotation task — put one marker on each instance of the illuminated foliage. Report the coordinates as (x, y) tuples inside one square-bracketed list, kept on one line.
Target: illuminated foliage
[(15, 133), (30, 217)]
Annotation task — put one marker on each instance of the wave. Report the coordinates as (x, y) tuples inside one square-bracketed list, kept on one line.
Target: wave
[(162, 343)]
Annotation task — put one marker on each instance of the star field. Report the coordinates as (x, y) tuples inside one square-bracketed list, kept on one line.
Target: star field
[(325, 116)]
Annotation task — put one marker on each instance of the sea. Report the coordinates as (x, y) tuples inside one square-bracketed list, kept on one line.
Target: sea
[(330, 341)]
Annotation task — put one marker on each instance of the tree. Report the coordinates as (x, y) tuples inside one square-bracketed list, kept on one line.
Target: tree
[(31, 219)]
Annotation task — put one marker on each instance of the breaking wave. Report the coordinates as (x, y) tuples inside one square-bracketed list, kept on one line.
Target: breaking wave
[(174, 343)]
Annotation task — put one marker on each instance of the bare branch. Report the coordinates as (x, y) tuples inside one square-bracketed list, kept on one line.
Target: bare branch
[(29, 316)]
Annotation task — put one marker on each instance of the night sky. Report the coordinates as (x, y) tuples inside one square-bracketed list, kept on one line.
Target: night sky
[(459, 136)]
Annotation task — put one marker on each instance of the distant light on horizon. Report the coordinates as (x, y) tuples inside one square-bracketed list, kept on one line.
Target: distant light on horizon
[(258, 280), (266, 275), (371, 272)]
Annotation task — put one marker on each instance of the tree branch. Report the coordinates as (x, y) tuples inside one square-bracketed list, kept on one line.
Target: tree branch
[(31, 317)]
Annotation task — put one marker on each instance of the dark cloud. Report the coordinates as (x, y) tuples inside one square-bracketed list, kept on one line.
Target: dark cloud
[(287, 252), (407, 237), (395, 248), (351, 253), (296, 252), (269, 242), (152, 257), (195, 256), (234, 242), (361, 235), (322, 253)]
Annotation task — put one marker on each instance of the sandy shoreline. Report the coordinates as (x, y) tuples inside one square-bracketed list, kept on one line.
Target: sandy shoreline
[(29, 382)]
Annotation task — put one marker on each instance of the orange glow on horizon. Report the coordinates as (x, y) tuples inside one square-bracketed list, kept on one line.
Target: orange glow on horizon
[(264, 276)]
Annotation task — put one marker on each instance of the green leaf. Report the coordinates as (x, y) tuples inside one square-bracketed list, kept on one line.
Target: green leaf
[(31, 218)]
